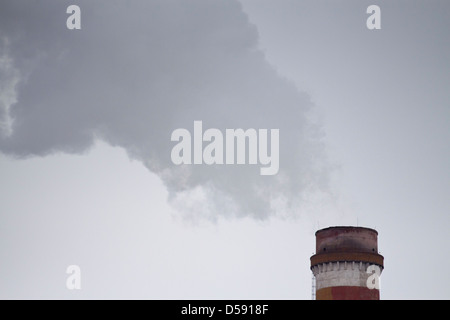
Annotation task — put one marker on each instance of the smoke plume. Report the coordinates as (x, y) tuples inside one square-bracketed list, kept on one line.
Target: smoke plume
[(136, 71)]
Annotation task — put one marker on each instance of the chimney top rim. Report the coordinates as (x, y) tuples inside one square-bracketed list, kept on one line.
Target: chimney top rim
[(346, 228)]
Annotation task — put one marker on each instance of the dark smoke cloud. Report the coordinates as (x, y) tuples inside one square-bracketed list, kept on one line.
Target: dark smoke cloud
[(136, 71)]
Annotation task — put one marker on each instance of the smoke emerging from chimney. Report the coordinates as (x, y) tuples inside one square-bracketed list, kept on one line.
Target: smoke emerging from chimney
[(138, 70)]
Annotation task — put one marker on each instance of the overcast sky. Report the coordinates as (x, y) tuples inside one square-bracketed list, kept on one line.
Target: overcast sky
[(86, 118)]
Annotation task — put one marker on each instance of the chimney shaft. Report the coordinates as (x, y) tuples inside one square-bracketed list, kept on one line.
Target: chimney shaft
[(344, 264)]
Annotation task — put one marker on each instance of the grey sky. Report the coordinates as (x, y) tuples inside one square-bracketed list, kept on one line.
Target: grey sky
[(385, 102), (363, 118)]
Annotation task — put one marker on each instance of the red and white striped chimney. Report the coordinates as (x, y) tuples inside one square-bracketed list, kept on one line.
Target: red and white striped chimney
[(347, 264)]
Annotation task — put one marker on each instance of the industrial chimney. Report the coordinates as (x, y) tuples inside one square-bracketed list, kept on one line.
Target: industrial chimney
[(347, 265)]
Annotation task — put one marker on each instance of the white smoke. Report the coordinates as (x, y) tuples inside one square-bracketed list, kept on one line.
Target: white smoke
[(9, 78), (138, 70)]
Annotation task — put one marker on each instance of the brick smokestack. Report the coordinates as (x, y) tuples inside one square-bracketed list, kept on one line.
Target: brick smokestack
[(343, 265)]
